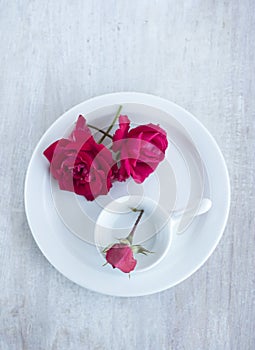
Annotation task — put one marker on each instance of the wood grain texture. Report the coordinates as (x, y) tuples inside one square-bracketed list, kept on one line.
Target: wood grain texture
[(199, 54)]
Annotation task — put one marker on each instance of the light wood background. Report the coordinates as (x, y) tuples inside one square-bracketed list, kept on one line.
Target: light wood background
[(199, 54)]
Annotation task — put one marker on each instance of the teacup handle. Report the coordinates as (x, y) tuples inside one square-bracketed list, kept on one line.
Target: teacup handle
[(204, 206)]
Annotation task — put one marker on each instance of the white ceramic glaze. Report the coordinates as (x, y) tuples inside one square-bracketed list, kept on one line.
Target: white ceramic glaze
[(80, 261)]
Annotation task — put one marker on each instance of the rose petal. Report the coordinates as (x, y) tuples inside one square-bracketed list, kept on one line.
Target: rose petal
[(141, 172), (121, 256), (121, 133)]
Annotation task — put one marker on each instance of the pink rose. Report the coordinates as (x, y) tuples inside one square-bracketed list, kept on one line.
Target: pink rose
[(141, 149), (121, 256), (80, 164)]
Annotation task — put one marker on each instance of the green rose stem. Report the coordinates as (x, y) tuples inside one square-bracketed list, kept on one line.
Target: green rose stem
[(102, 131), (131, 235), (112, 124)]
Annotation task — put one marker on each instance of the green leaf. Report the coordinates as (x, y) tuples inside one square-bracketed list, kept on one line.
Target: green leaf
[(138, 249), (107, 248), (124, 241)]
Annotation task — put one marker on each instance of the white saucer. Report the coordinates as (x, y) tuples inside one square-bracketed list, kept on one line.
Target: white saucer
[(192, 159)]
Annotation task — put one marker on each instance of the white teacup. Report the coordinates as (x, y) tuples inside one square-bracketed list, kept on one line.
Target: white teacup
[(153, 231)]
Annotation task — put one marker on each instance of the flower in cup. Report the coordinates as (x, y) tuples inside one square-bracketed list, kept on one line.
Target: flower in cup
[(121, 255)]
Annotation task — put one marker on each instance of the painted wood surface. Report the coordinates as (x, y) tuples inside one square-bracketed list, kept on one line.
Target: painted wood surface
[(199, 54)]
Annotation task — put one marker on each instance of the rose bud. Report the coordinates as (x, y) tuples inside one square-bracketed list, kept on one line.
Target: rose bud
[(121, 256)]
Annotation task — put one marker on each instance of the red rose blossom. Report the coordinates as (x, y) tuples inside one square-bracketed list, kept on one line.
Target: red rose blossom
[(121, 256), (141, 149), (80, 164)]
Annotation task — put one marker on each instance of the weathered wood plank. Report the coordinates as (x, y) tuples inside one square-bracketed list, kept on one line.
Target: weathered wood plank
[(55, 54)]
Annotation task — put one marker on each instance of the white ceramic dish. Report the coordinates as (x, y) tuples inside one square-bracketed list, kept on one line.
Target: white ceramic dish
[(190, 166)]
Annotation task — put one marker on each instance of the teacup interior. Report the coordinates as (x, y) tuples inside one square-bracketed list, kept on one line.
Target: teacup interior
[(153, 231)]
